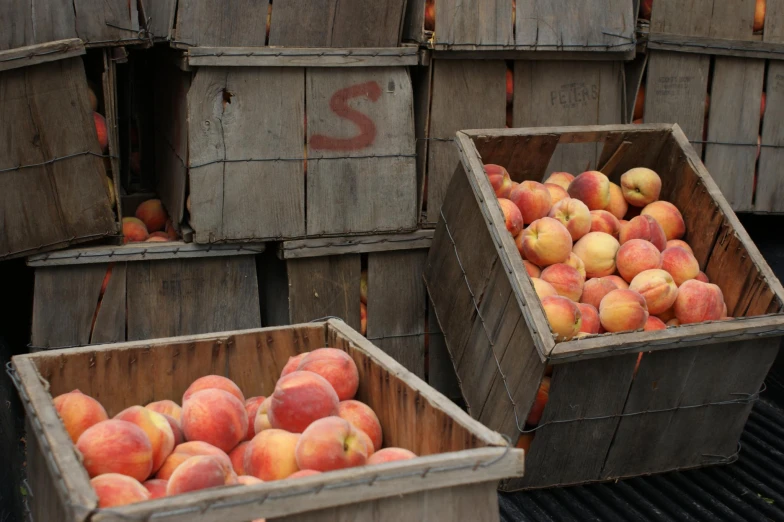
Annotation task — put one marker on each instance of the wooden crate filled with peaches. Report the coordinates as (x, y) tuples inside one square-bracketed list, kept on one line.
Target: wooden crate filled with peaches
[(615, 322)]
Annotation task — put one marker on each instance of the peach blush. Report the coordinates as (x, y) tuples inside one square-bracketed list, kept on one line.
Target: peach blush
[(390, 455), (566, 280), (213, 381), (564, 317), (562, 179), (658, 288), (533, 199), (546, 242), (590, 319), (513, 219), (78, 412), (623, 310), (592, 188), (574, 215), (337, 367), (543, 288), (595, 289)]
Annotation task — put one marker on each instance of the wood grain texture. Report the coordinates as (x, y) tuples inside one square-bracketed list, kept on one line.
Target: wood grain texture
[(716, 46), (214, 23), (484, 82), (24, 23), (482, 23), (709, 18), (414, 22), (111, 109), (774, 21), (161, 15), (41, 53), (302, 57), (317, 247), (769, 196), (515, 155), (441, 373), (324, 286), (101, 22), (109, 326)]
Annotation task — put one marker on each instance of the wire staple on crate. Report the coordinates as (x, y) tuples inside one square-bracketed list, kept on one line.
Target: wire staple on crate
[(59, 158), (302, 159)]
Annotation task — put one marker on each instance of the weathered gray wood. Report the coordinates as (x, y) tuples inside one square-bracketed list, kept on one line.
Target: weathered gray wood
[(483, 82), (396, 290), (302, 57), (515, 155), (241, 114), (161, 15), (709, 18), (633, 72), (414, 22), (106, 22), (769, 196), (109, 81), (274, 289), (735, 119), (41, 53), (466, 25), (422, 81), (774, 21), (715, 46), (361, 151), (215, 23), (441, 373), (24, 23), (109, 325), (421, 239), (325, 286)]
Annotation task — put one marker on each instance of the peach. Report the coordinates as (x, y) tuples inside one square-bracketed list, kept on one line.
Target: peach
[(102, 131), (331, 443), (724, 312), (542, 395), (667, 314), (362, 318), (156, 487), (654, 323), (702, 277), (524, 442), (657, 287), (546, 242), (187, 450), (152, 214), (531, 269), (595, 289), (390, 455), (698, 302), (237, 457), (157, 429), (262, 422), (513, 219), (646, 7), (209, 382), (618, 280), (174, 424), (533, 199), (171, 232), (110, 190), (639, 101), (759, 15), (574, 215), (215, 416), (623, 310), (592, 188), (563, 315), (575, 262), (252, 407), (78, 412), (680, 264), (597, 250), (304, 473), (603, 221), (562, 179), (668, 216), (291, 365), (156, 239), (499, 179), (362, 417), (113, 490), (116, 446), (590, 318), (166, 407), (337, 367), (680, 243), (643, 227), (673, 322), (640, 186), (134, 231), (271, 455), (247, 480), (299, 399), (635, 256), (543, 288), (557, 193), (566, 280), (363, 286), (618, 205), (196, 473)]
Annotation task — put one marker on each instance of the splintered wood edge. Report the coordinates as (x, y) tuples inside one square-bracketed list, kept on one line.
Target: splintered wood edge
[(41, 53), (302, 57), (329, 246)]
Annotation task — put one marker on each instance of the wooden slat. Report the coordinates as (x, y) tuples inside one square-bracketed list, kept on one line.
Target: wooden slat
[(441, 373), (396, 290), (769, 196), (735, 119), (23, 25), (414, 23), (41, 53), (161, 17), (361, 148), (109, 81), (774, 21), (215, 23), (274, 289), (483, 82), (686, 17), (265, 120), (329, 246), (324, 286), (515, 155), (101, 22), (482, 24), (302, 57), (109, 324), (716, 46)]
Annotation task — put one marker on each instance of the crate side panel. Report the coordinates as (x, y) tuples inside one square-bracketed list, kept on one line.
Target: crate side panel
[(480, 23), (414, 23), (396, 306), (325, 286), (109, 326), (769, 193), (160, 15), (216, 23), (684, 17), (25, 22), (525, 158), (441, 373), (359, 23), (302, 23), (105, 21), (733, 20), (774, 21)]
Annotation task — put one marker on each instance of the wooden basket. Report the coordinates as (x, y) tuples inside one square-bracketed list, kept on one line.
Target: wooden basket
[(688, 403), (455, 479)]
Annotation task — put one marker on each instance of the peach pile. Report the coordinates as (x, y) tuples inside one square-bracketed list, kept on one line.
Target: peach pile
[(150, 224), (310, 424)]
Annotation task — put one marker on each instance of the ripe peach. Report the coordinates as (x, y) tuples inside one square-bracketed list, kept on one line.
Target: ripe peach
[(531, 269), (542, 395), (618, 280), (291, 365), (304, 473), (102, 131), (667, 314), (640, 186), (603, 221), (156, 239), (390, 455), (668, 216), (331, 443), (174, 424), (566, 280), (654, 323), (300, 398), (623, 310), (362, 417), (513, 219), (365, 440), (592, 188), (543, 288), (252, 407), (636, 256), (156, 487), (134, 230), (563, 315), (215, 416), (618, 205), (698, 302), (499, 179), (262, 422), (759, 15), (673, 322), (562, 179), (237, 457), (363, 286), (247, 480), (680, 264), (337, 367), (595, 289), (702, 277), (646, 6), (159, 235), (597, 250), (114, 490), (574, 215), (644, 227), (209, 382), (590, 319), (557, 193), (196, 473), (680, 243), (166, 407), (524, 441), (575, 262), (116, 446), (152, 214), (187, 450), (657, 287), (78, 412), (271, 455), (157, 429), (533, 199), (546, 242)]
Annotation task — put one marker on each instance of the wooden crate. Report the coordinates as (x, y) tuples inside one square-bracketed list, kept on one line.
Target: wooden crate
[(540, 26), (153, 290), (53, 189), (454, 479), (252, 145), (688, 403), (454, 94), (707, 71)]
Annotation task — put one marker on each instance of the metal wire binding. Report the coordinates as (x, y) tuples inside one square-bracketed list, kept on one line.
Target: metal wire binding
[(301, 159), (145, 251), (356, 241), (59, 158), (388, 52), (61, 49)]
